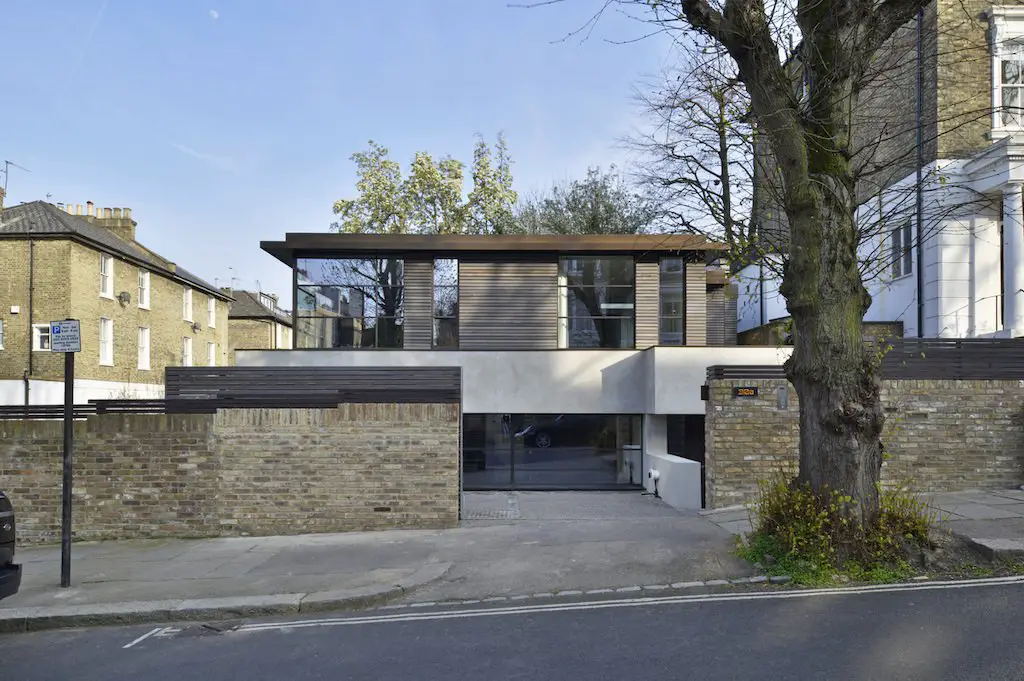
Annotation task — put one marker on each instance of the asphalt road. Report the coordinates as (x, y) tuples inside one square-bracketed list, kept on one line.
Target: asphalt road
[(933, 634)]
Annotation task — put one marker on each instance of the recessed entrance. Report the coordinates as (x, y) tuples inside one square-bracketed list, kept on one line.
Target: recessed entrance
[(551, 451)]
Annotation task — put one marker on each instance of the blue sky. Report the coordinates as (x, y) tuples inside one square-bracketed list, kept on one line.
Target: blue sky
[(224, 122)]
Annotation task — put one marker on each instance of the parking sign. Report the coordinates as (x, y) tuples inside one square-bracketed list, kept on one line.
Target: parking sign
[(65, 336)]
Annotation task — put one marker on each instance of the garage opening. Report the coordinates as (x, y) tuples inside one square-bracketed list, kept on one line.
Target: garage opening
[(551, 451)]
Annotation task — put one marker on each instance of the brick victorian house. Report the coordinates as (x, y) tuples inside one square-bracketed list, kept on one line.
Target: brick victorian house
[(941, 140), (256, 322), (139, 312)]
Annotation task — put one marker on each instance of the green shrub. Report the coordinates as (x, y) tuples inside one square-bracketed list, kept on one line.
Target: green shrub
[(816, 538)]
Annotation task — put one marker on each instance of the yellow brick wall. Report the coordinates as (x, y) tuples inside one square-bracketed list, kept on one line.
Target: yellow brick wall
[(67, 284)]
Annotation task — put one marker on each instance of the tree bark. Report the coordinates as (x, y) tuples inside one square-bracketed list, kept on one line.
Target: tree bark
[(834, 374)]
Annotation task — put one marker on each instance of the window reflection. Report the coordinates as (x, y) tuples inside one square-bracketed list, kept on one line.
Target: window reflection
[(349, 303), (446, 303), (597, 308), (672, 302)]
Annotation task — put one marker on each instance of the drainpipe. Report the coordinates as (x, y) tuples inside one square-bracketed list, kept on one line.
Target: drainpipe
[(31, 289), (918, 246)]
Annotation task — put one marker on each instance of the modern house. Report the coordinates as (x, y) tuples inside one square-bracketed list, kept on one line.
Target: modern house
[(941, 206), (257, 322), (139, 312), (582, 357)]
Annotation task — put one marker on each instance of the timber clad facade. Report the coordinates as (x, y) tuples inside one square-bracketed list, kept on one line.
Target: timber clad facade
[(505, 293), (508, 305)]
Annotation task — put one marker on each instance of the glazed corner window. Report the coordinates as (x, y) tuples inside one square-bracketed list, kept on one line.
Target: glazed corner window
[(106, 276), (672, 302), (41, 337), (900, 241), (596, 302), (446, 303), (350, 303)]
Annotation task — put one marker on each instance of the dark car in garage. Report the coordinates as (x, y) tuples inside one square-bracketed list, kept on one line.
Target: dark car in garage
[(10, 574)]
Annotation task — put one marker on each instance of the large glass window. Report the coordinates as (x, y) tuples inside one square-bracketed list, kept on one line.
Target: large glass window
[(446, 303), (349, 303), (596, 309), (672, 302), (551, 451)]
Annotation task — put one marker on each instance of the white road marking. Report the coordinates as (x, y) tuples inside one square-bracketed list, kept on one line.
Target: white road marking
[(627, 603), (167, 632), (144, 637)]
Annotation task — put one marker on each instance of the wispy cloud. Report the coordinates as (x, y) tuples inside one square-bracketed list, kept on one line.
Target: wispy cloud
[(225, 163), (214, 14)]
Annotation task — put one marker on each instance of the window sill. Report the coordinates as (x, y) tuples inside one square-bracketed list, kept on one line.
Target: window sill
[(40, 350), (142, 369), (106, 364), (902, 277), (107, 296), (997, 134), (144, 307)]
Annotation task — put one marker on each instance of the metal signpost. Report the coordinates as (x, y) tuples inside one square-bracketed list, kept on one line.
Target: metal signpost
[(66, 337)]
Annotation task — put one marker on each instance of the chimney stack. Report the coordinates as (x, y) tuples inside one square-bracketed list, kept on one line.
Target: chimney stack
[(2, 192), (117, 220)]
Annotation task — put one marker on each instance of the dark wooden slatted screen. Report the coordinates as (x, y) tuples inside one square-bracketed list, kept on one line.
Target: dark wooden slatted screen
[(646, 304), (721, 320), (696, 304), (923, 359), (293, 386), (508, 305), (418, 290)]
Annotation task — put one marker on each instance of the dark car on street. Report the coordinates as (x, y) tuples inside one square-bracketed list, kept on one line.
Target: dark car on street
[(10, 574)]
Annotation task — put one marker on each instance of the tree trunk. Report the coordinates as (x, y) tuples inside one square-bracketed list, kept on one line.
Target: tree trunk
[(834, 374)]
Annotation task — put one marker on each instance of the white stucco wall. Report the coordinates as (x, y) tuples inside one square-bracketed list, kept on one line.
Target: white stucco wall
[(678, 482), (748, 303), (12, 392), (961, 252), (660, 380)]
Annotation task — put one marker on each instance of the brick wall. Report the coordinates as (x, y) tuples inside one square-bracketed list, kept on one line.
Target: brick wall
[(241, 472), (944, 435), (66, 282)]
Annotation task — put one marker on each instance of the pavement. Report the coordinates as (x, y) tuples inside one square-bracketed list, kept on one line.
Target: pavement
[(961, 631), (991, 520), (511, 545)]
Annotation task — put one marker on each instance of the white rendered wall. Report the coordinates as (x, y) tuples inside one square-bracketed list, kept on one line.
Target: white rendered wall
[(12, 392)]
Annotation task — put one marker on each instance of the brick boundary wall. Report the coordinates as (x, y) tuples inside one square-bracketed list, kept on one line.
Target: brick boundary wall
[(942, 435), (239, 472)]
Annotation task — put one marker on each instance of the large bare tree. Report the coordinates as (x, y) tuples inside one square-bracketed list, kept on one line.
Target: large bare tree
[(807, 124)]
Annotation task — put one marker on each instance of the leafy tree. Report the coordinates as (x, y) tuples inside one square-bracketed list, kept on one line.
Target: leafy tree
[(492, 201), (602, 203)]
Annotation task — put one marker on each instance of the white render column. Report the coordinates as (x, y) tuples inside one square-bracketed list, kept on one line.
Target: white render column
[(1013, 258)]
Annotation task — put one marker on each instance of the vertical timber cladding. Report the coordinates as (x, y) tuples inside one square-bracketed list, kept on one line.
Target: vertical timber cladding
[(647, 308), (510, 305), (696, 303), (418, 298)]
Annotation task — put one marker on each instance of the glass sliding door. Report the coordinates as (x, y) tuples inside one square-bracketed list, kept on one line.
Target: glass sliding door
[(551, 451)]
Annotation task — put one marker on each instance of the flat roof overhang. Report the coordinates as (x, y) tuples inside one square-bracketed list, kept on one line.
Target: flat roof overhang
[(326, 245)]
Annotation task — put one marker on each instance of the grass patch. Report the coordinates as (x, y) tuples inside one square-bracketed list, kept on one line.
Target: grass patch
[(818, 540)]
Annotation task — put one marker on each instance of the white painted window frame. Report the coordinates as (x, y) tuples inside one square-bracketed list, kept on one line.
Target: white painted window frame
[(143, 348), (186, 351), (211, 354), (186, 305), (211, 312), (1006, 25), (38, 331), (106, 276), (106, 348), (144, 289)]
